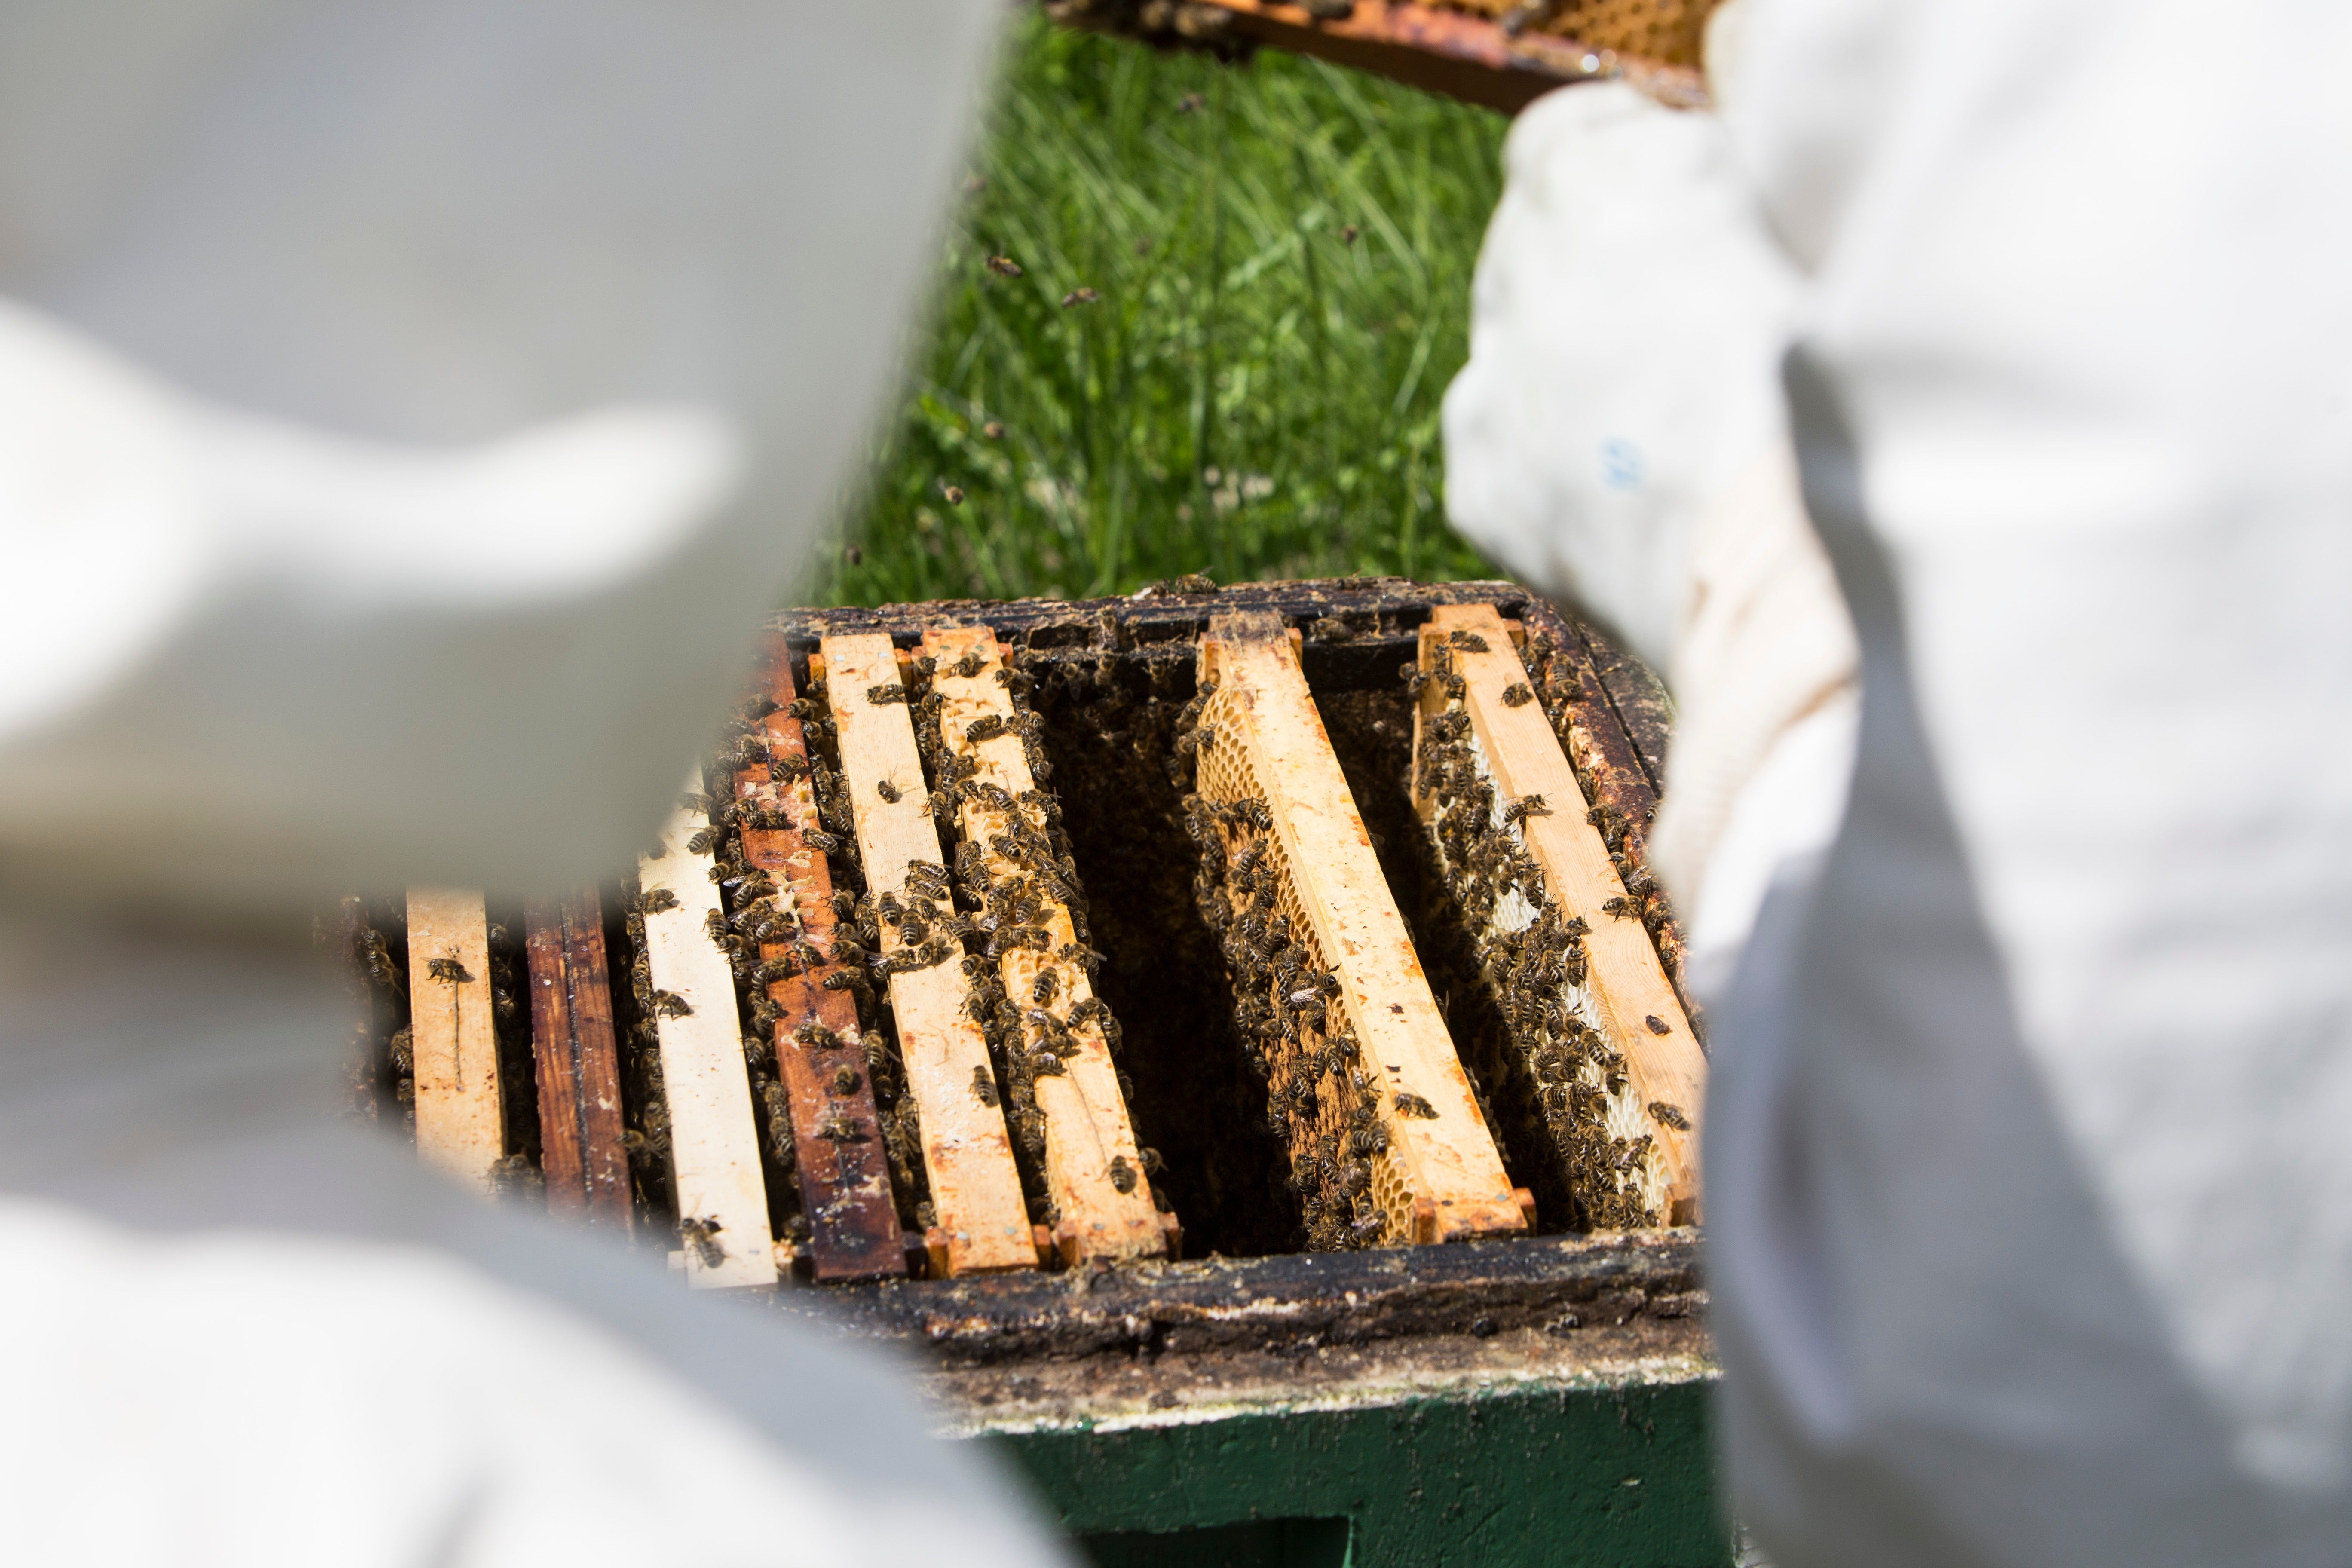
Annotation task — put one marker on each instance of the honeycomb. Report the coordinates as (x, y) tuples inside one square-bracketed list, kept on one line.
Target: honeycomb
[(1341, 1129), (1667, 31)]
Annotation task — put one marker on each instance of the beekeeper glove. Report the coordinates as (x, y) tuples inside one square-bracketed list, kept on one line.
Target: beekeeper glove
[(1618, 439)]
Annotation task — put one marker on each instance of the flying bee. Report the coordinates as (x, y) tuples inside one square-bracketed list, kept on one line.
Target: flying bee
[(993, 430), (448, 969), (1004, 267), (1122, 1174), (951, 494), (1079, 296)]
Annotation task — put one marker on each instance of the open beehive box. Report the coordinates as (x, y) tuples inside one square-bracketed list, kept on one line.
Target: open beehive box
[(1139, 1002)]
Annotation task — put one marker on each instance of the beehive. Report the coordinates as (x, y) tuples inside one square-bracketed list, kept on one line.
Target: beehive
[(820, 994), (854, 1013)]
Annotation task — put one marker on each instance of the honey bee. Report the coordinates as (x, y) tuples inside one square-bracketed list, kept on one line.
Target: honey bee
[(1527, 805), (670, 1005), (845, 1081), (701, 1236), (1626, 909), (1468, 642), (1669, 1114), (823, 843), (1517, 695), (983, 1087), (1656, 1024), (1122, 1174), (883, 695), (1409, 1104), (448, 969), (985, 728), (1042, 989)]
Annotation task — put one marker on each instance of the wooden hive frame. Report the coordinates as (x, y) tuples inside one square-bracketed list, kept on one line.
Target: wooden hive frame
[(1437, 1175), (981, 1223), (460, 1103), (1468, 50), (1094, 1170), (722, 1197), (1472, 674), (583, 1158), (829, 1116)]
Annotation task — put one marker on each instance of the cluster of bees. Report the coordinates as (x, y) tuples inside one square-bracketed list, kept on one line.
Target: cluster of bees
[(1532, 958), (1321, 1100), (1015, 870)]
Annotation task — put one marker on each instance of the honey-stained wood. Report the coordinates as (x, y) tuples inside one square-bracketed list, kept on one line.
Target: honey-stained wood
[(843, 1166), (1627, 982), (981, 1224), (722, 1197), (460, 1111), (580, 1154), (1088, 1139), (1447, 1160)]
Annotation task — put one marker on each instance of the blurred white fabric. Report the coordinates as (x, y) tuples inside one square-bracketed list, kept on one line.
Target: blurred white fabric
[(1617, 437), (405, 414), (2030, 1215)]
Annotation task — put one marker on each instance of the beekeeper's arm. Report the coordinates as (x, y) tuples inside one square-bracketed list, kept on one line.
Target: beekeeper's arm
[(404, 415), (1618, 439)]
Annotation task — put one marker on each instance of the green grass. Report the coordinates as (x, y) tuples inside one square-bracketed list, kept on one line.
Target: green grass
[(1250, 395)]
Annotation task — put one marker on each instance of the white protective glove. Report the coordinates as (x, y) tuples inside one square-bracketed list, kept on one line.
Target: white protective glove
[(1617, 439)]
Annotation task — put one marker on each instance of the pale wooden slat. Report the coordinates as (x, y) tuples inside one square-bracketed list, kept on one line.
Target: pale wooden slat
[(1086, 1123), (982, 1224), (1626, 980), (1263, 734), (714, 1142), (460, 1114)]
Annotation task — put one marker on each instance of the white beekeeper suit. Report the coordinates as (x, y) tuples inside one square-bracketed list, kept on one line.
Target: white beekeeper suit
[(2030, 1193), (405, 413)]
